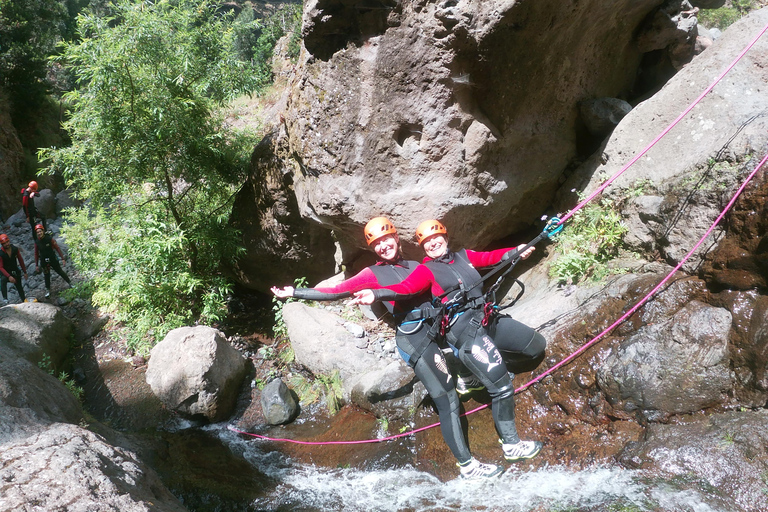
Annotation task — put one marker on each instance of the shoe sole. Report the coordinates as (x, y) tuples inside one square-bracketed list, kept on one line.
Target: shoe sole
[(469, 390), (525, 457), (496, 473)]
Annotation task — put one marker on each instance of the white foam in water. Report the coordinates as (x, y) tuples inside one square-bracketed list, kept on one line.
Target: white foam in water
[(309, 488)]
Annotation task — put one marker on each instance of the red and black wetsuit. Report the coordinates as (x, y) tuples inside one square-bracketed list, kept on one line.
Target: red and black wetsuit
[(28, 204), (413, 342), (478, 347), (9, 268)]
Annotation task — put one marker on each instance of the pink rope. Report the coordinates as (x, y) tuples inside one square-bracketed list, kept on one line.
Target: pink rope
[(562, 363), (663, 133)]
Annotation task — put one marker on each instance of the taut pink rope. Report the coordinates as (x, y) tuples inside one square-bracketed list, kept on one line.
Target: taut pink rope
[(663, 133)]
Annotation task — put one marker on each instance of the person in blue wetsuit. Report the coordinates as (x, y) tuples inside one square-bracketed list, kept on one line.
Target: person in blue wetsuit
[(414, 342), (489, 345)]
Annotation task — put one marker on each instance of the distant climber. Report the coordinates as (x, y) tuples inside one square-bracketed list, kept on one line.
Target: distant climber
[(45, 246)]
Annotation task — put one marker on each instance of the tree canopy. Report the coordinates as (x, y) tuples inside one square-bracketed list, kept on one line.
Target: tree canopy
[(153, 160)]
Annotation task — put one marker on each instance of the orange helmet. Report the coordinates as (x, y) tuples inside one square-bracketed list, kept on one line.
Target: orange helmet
[(4, 238), (33, 186), (377, 228), (428, 228)]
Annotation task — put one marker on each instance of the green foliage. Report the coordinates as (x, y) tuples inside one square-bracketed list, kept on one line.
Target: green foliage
[(589, 241), (279, 330), (151, 155), (327, 386), (725, 16), (286, 20), (29, 32), (46, 365)]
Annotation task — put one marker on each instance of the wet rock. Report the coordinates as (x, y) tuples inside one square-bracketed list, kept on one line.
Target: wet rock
[(196, 372), (677, 366), (36, 331), (726, 452), (278, 403), (65, 467)]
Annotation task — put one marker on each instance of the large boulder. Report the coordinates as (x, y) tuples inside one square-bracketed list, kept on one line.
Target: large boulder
[(196, 372), (66, 467), (724, 452), (445, 110), (29, 396), (645, 372), (36, 331), (322, 343), (11, 164), (689, 174)]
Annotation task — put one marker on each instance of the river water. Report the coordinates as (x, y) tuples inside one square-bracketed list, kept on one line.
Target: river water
[(304, 487)]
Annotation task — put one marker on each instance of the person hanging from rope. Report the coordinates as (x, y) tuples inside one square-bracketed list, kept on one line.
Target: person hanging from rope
[(45, 246), (28, 204), (9, 269), (413, 318), (472, 326)]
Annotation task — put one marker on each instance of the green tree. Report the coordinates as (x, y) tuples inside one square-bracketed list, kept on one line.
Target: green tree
[(29, 32), (154, 161)]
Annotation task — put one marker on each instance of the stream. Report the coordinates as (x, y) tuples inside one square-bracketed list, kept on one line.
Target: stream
[(386, 485)]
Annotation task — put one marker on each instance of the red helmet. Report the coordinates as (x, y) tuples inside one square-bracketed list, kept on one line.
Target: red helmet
[(4, 238), (33, 186), (428, 228), (39, 226), (377, 228)]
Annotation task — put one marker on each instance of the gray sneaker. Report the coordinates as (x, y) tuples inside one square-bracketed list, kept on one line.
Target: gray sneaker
[(468, 384), (521, 450), (476, 469)]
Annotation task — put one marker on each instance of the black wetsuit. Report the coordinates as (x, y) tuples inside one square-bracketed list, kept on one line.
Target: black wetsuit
[(33, 216), (10, 268), (45, 250), (489, 352)]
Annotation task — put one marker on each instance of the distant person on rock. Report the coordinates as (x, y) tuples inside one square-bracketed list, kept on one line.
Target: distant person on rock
[(416, 340), (45, 251), (28, 204), (11, 267), (488, 343)]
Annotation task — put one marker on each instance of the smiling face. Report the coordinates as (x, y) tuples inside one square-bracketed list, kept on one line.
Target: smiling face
[(39, 232), (435, 246), (386, 247)]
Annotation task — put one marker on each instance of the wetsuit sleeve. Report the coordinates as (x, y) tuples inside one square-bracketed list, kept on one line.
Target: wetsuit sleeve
[(361, 281), (21, 261), (56, 246), (420, 280), (480, 259), (316, 294), (2, 269), (37, 253)]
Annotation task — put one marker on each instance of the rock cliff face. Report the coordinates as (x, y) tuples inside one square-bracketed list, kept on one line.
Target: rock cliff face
[(467, 111)]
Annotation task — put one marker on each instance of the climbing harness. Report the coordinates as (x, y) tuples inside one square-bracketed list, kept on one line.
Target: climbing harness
[(556, 222)]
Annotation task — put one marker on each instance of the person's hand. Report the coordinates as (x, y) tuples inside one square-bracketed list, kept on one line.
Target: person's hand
[(26, 276), (528, 251), (363, 297), (283, 293), (12, 279), (37, 269)]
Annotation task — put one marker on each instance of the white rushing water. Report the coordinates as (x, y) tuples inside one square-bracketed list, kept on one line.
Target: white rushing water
[(300, 487)]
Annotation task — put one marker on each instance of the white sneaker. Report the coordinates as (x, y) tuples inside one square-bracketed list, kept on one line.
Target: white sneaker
[(521, 450), (47, 294), (468, 384), (4, 302), (476, 469)]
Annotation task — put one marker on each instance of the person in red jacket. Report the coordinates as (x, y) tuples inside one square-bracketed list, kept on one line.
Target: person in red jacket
[(10, 271), (419, 350), (489, 345), (28, 204)]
